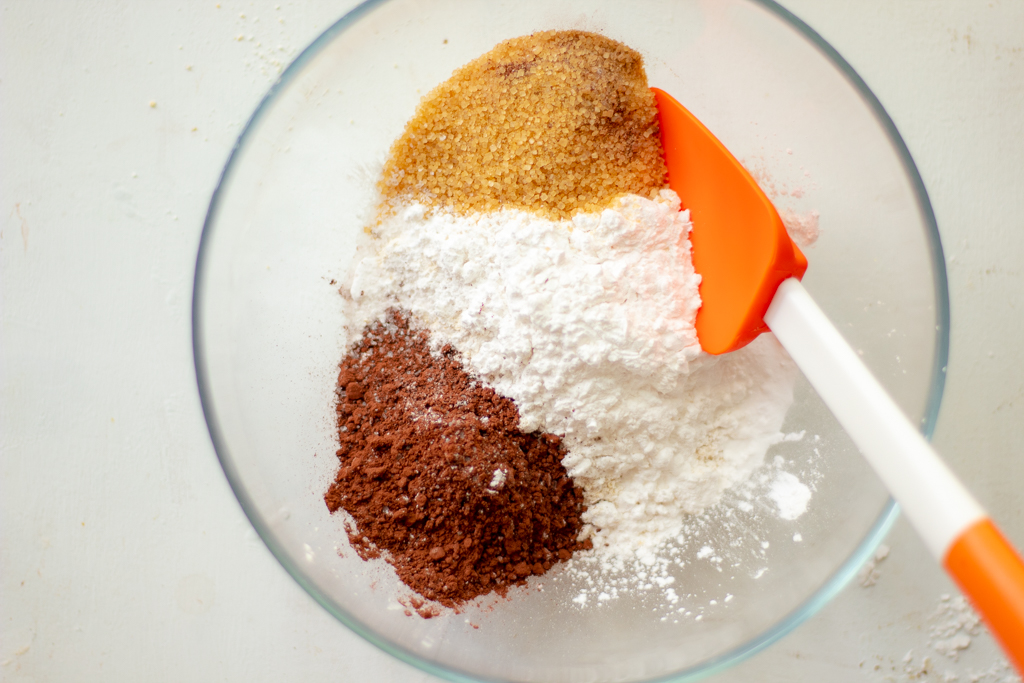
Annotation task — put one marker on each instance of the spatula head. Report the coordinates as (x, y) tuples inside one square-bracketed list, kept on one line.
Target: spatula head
[(740, 247)]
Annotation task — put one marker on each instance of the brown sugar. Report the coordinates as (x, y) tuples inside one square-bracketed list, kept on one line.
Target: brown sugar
[(436, 473), (555, 123)]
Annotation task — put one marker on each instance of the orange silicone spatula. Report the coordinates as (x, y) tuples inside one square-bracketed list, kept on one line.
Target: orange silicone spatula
[(750, 283)]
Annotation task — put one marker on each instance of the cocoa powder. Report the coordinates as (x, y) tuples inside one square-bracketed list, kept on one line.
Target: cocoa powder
[(437, 475)]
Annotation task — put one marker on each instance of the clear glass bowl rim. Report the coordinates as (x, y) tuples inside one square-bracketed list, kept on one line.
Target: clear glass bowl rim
[(812, 605)]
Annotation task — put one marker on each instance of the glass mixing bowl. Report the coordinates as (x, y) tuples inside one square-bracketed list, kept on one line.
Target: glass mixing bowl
[(288, 216)]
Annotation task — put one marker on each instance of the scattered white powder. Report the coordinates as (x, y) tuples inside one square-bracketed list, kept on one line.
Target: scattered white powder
[(870, 573), (588, 325), (802, 227), (790, 495), (953, 624), (953, 630)]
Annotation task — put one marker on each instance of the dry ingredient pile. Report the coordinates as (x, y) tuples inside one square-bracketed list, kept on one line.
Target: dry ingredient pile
[(554, 123), (528, 251), (438, 472)]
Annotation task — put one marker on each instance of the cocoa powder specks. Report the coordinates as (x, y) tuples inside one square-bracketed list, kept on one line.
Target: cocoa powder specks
[(437, 475)]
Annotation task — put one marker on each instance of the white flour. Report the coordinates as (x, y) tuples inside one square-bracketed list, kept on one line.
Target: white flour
[(958, 650), (588, 326), (790, 495)]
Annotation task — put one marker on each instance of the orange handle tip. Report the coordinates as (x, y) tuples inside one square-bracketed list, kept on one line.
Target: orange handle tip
[(991, 574)]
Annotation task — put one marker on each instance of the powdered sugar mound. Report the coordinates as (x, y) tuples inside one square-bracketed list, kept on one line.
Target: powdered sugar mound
[(674, 453), (588, 325), (609, 291)]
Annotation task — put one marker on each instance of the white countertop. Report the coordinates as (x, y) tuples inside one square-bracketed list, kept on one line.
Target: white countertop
[(123, 554)]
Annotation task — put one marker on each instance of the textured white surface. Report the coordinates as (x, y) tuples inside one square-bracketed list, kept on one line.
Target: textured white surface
[(125, 557)]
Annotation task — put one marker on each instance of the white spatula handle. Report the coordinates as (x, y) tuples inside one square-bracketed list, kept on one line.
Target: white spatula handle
[(952, 523), (936, 503)]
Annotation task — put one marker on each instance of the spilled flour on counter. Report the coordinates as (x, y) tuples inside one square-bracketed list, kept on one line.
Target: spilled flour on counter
[(958, 650), (870, 573), (587, 325)]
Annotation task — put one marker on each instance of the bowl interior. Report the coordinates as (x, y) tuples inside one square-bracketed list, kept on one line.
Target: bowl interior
[(288, 218)]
